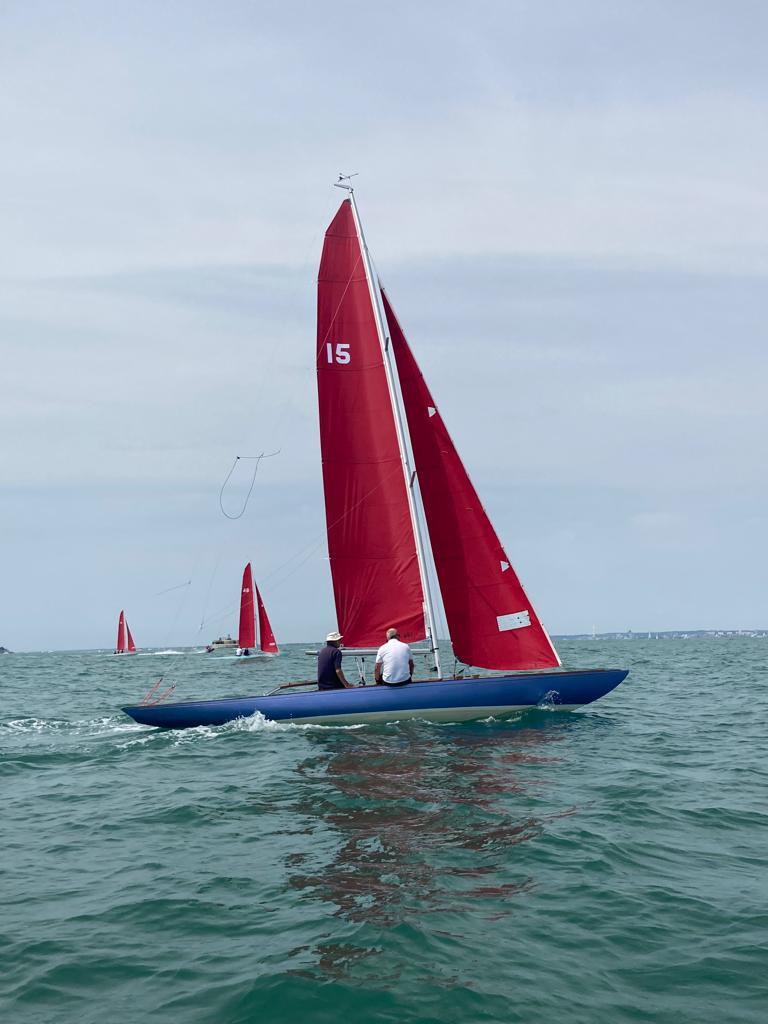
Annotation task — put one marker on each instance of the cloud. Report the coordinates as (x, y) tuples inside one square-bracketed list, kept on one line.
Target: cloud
[(568, 129)]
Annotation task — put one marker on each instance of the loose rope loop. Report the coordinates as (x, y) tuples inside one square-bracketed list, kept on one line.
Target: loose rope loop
[(257, 459)]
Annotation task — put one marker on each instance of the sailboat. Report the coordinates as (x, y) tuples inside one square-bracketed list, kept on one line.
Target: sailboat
[(246, 636), (125, 644), (393, 477)]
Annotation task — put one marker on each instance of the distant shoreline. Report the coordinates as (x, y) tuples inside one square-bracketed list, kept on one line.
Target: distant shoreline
[(664, 634)]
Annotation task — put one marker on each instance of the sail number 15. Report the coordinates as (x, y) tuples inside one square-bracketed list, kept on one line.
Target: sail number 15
[(338, 353)]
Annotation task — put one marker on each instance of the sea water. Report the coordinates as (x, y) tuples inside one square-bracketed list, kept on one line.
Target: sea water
[(603, 866)]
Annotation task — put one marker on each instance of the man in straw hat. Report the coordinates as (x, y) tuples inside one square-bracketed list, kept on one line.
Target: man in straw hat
[(330, 674)]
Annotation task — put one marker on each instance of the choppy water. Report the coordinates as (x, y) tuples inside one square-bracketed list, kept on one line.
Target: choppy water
[(598, 867)]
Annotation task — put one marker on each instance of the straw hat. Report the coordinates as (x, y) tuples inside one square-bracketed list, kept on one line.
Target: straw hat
[(333, 636)]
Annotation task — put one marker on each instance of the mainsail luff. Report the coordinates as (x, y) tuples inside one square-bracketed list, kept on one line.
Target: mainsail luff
[(120, 645), (246, 634), (490, 617), (371, 544)]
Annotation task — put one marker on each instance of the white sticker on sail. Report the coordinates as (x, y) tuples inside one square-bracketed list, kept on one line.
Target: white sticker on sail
[(515, 620), (431, 410), (504, 565)]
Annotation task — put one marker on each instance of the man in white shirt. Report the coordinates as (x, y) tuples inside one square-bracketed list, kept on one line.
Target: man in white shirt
[(394, 661)]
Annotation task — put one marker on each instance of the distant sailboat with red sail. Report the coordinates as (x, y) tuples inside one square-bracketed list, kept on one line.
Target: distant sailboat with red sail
[(246, 635), (399, 507), (125, 644)]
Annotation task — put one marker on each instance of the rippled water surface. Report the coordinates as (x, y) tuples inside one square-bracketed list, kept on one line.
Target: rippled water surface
[(599, 867)]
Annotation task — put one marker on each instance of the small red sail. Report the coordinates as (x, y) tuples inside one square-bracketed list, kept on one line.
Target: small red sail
[(246, 635), (120, 645), (491, 620), (130, 645), (376, 581), (267, 640)]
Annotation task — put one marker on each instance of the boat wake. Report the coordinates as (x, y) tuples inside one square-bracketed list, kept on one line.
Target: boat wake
[(107, 726), (159, 654), (256, 723), (47, 737)]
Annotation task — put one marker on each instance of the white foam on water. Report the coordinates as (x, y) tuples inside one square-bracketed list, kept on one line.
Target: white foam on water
[(258, 723), (107, 726), (181, 737), (550, 702)]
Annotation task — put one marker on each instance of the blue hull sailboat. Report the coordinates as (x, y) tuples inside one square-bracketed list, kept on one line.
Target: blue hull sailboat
[(398, 501), (439, 700)]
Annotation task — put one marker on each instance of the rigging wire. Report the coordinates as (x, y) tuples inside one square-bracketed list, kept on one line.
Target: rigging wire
[(186, 583), (304, 553), (299, 285)]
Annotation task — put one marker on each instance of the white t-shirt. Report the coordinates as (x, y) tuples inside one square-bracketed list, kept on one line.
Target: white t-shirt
[(393, 656)]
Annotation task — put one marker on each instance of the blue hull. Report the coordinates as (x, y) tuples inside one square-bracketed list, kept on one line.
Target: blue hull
[(446, 700)]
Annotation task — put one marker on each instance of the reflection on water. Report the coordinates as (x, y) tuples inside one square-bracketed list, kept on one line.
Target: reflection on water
[(428, 821)]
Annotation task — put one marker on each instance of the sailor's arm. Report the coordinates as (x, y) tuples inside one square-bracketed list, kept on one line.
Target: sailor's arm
[(342, 678)]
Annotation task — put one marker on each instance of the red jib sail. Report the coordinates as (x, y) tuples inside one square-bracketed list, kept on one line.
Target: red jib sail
[(372, 550), (120, 645), (267, 641), (130, 644), (491, 620), (246, 635)]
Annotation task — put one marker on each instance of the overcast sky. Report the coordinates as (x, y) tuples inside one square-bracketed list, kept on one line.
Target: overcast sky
[(567, 201)]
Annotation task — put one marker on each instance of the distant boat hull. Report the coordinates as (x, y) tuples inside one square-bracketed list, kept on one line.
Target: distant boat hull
[(446, 700), (253, 656)]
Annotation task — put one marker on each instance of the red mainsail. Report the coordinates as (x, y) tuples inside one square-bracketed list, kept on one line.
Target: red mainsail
[(491, 620), (376, 580), (246, 635), (130, 644), (267, 641), (120, 645)]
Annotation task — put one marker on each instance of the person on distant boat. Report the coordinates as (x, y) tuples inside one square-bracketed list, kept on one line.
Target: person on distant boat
[(330, 674), (394, 661)]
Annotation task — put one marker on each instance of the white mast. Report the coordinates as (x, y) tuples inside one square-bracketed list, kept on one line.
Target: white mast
[(400, 429)]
